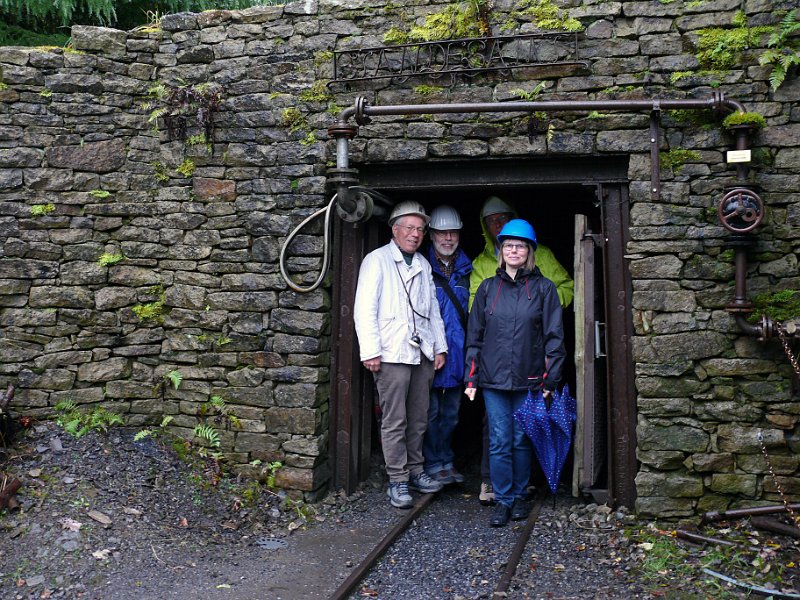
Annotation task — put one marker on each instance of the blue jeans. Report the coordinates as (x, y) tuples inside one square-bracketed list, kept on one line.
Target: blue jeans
[(509, 447), (437, 448)]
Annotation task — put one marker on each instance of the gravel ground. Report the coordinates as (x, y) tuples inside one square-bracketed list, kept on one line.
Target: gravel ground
[(106, 517)]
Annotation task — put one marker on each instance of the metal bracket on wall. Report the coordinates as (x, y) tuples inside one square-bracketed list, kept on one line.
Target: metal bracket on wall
[(655, 156)]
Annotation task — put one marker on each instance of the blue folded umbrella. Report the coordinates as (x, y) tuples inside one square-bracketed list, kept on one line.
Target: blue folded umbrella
[(550, 430)]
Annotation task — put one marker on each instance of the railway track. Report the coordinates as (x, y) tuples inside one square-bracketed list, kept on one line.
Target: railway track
[(433, 517)]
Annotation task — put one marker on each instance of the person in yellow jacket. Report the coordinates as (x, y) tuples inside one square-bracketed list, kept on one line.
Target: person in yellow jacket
[(494, 215)]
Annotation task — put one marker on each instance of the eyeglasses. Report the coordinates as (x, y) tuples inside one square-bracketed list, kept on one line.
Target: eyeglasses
[(510, 247), (445, 232), (410, 228), (495, 220)]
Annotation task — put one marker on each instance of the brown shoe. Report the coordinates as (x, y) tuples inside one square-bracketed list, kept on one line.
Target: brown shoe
[(486, 496)]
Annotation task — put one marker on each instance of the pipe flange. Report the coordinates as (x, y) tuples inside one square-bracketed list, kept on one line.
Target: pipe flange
[(361, 106), (342, 130), (741, 210), (361, 211)]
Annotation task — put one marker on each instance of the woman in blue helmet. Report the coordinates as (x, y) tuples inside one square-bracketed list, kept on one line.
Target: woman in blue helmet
[(515, 341)]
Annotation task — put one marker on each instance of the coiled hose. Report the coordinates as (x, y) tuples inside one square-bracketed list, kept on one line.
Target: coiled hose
[(325, 249)]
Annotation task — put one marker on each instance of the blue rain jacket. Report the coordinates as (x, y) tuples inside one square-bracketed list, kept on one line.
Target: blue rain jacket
[(452, 374)]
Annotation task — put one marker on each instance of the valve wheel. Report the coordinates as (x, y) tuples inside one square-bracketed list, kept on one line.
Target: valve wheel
[(741, 210)]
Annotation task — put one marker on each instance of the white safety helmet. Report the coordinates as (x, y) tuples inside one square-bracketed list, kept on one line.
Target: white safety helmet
[(445, 218), (495, 206), (406, 208)]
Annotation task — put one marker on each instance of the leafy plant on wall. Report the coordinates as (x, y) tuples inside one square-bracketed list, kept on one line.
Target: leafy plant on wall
[(784, 49), (177, 104)]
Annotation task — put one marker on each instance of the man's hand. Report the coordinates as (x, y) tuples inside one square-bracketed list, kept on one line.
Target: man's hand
[(470, 392), (373, 364), (438, 361)]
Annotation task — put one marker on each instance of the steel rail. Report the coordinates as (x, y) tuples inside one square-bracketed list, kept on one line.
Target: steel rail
[(343, 591), (347, 586), (519, 548)]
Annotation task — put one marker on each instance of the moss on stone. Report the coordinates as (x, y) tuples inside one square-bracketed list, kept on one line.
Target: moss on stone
[(186, 168), (779, 306), (547, 16), (293, 119), (675, 159), (460, 20), (107, 259), (720, 48), (427, 90), (40, 210), (737, 119), (318, 92)]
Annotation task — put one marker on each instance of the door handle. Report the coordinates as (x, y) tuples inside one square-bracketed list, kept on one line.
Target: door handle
[(599, 339)]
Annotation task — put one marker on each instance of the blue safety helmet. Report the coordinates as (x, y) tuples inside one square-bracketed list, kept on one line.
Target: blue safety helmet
[(518, 229)]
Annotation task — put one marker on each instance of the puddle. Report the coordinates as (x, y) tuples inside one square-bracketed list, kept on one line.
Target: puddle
[(271, 544)]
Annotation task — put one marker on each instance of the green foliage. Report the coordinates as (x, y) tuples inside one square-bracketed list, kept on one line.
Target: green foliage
[(99, 193), (175, 376), (107, 259), (14, 35), (318, 92), (160, 171), (779, 306), (459, 20), (40, 210), (45, 93), (293, 119), (78, 423), (152, 310), (547, 16), (719, 48), (783, 49), (176, 104), (427, 90), (150, 433), (753, 119), (186, 168), (529, 96), (675, 159)]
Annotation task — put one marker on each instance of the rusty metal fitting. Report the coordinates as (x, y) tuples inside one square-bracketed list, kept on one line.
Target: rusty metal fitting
[(361, 106), (342, 130)]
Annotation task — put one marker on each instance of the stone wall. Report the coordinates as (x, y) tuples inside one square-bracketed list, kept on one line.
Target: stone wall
[(85, 178)]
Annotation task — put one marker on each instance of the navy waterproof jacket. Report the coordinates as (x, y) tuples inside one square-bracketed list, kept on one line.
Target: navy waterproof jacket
[(515, 338), (452, 374)]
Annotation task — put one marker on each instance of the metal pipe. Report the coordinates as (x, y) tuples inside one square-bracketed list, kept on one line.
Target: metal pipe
[(716, 101), (702, 539), (776, 526), (738, 513)]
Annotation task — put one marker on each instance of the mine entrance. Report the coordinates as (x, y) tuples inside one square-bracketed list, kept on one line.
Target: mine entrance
[(579, 210)]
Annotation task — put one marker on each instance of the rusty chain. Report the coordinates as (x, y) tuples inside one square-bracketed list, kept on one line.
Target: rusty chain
[(784, 497), (792, 358)]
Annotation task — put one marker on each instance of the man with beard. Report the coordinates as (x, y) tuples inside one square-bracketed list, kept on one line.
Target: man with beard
[(451, 269), (402, 342)]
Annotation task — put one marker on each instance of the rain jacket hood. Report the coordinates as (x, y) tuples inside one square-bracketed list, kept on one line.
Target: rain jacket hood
[(485, 266)]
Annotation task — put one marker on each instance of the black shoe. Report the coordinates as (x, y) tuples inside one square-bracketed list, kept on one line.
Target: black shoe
[(520, 510), (500, 516)]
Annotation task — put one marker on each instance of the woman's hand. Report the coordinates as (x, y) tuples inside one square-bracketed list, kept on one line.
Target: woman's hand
[(470, 392)]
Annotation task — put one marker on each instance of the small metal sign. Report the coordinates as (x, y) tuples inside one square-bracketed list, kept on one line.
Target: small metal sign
[(459, 57), (738, 156)]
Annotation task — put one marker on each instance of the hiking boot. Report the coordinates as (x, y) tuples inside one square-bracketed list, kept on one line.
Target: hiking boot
[(457, 477), (486, 496), (445, 477), (424, 484), (500, 515), (398, 495), (519, 510)]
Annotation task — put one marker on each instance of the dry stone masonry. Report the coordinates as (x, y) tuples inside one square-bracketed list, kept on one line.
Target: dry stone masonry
[(126, 253)]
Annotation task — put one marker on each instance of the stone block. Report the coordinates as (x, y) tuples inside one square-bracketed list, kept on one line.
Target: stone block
[(708, 463), (735, 483), (673, 485), (105, 370), (675, 437), (293, 420), (745, 440), (664, 460)]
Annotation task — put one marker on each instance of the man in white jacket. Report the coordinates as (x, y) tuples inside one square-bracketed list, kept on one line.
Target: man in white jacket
[(401, 337)]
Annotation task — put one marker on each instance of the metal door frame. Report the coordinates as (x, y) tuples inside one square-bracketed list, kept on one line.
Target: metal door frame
[(350, 412)]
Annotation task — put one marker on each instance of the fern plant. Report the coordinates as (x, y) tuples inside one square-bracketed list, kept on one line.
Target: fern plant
[(78, 423), (784, 49)]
